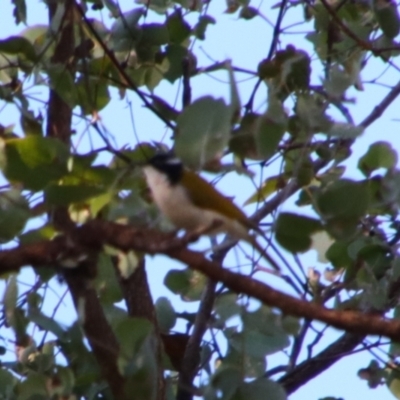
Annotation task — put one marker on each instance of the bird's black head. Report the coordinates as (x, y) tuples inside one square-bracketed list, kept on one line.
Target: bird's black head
[(169, 165)]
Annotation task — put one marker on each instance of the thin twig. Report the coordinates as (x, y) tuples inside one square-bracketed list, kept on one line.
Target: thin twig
[(121, 71), (381, 107)]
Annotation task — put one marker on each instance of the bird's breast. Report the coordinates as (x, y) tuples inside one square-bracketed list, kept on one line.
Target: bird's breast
[(175, 203)]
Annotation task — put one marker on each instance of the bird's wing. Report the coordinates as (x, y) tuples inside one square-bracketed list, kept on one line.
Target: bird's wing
[(209, 198)]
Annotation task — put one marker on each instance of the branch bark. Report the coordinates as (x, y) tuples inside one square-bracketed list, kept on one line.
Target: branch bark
[(139, 302), (59, 118), (96, 233), (309, 369)]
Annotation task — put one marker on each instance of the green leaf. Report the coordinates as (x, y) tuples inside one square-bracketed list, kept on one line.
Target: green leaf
[(375, 255), (379, 155), (92, 94), (268, 135), (393, 382), (248, 12), (62, 82), (106, 282), (291, 325), (63, 195), (7, 384), (175, 55), (10, 300), (19, 11), (270, 129), (66, 379), (127, 263), (125, 32), (234, 93), (341, 204), (166, 316), (251, 367), (344, 198), (338, 81), (187, 283), (373, 374), (294, 231), (8, 74), (179, 30), (338, 255), (114, 314), (224, 383), (113, 7), (256, 344), (46, 323), (18, 45), (81, 359), (35, 161), (289, 72), (30, 124), (262, 334), (14, 213), (342, 228), (203, 130), (33, 387), (396, 269), (388, 17), (155, 34), (36, 35), (331, 174), (269, 186), (311, 112), (226, 306), (242, 142), (46, 232), (132, 333), (99, 175), (201, 26), (153, 76), (141, 372)]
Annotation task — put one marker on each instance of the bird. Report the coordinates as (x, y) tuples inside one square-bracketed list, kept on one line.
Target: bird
[(191, 203)]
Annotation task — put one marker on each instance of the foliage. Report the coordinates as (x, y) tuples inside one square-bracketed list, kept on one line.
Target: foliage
[(304, 141)]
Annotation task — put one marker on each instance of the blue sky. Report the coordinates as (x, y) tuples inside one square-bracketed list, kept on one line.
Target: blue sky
[(245, 43)]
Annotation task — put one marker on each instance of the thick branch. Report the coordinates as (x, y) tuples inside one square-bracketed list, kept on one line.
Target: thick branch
[(59, 118), (309, 369), (139, 302), (96, 233), (351, 321), (191, 359), (98, 332)]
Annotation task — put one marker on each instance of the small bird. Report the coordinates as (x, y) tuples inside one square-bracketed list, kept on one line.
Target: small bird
[(193, 204)]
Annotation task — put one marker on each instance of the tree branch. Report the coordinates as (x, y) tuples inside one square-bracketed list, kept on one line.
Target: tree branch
[(126, 79), (382, 106), (139, 302), (309, 369), (98, 332), (59, 119), (93, 235), (191, 358)]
